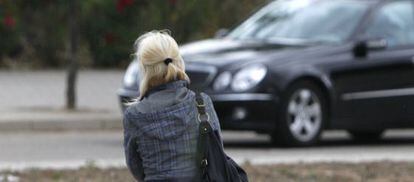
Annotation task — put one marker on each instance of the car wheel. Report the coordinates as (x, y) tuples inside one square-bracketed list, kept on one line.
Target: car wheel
[(366, 135), (302, 115)]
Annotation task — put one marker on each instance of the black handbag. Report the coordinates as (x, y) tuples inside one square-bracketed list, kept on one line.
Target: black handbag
[(214, 164)]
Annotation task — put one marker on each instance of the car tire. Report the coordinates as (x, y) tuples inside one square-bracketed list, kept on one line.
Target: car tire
[(366, 135), (302, 115)]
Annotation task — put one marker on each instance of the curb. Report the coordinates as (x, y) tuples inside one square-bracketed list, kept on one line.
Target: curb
[(62, 164)]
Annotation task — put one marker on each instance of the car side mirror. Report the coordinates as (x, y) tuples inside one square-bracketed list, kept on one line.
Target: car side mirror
[(362, 48), (222, 32)]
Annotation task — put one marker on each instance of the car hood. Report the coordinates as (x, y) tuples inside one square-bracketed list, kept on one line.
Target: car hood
[(222, 52)]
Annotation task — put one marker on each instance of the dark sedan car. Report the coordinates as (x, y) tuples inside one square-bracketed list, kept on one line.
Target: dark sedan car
[(295, 68)]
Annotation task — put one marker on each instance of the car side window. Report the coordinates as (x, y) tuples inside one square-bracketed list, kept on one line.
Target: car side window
[(393, 22)]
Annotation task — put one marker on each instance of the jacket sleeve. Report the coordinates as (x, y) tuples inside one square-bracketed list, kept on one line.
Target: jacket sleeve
[(133, 159)]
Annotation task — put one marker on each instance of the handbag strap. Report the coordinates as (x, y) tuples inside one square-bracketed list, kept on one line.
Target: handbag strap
[(204, 129)]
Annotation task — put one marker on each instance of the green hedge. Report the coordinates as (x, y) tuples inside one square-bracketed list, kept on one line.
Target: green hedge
[(36, 31)]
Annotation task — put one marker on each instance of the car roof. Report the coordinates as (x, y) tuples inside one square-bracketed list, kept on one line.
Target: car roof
[(356, 1)]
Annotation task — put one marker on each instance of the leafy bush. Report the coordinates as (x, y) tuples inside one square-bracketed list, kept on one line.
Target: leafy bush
[(110, 27), (8, 30), (38, 28)]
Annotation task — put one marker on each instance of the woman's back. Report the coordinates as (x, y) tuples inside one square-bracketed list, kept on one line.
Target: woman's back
[(161, 132)]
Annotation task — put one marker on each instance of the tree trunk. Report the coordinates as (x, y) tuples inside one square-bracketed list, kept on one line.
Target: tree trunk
[(73, 55)]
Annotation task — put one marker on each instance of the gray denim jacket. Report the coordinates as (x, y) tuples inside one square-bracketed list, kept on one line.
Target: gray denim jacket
[(161, 131)]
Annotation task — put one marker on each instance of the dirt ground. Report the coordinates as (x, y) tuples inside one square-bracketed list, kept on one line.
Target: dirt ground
[(384, 171)]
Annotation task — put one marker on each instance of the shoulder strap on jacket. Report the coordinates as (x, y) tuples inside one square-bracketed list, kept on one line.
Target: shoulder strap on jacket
[(203, 117), (201, 107)]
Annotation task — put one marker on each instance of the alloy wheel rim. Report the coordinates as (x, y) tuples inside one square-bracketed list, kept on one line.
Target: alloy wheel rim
[(304, 114)]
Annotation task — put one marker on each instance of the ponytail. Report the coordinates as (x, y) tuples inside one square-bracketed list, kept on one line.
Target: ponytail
[(174, 73)]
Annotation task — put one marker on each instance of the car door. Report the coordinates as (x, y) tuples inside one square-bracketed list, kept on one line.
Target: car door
[(378, 90)]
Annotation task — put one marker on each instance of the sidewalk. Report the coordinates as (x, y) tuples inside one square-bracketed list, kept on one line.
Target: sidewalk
[(57, 120), (34, 100)]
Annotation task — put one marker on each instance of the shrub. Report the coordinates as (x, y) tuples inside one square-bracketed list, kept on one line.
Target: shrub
[(110, 27)]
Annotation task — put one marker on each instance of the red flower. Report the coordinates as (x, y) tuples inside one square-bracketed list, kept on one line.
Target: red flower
[(9, 21), (109, 38), (173, 2), (121, 4)]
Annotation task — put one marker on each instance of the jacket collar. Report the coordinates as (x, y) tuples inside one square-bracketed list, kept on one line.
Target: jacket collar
[(170, 85)]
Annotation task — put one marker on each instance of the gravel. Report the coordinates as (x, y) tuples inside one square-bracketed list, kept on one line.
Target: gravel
[(383, 171)]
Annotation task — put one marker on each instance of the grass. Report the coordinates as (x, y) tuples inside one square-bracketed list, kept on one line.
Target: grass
[(384, 171)]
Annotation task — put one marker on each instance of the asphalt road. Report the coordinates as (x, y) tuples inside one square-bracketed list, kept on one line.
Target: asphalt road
[(22, 90), (74, 149)]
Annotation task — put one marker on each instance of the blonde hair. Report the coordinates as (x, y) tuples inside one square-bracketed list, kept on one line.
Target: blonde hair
[(152, 49)]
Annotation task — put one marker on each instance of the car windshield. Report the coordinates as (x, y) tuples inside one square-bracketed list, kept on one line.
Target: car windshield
[(302, 21)]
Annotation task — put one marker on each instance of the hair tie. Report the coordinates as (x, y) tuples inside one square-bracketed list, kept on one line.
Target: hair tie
[(167, 61)]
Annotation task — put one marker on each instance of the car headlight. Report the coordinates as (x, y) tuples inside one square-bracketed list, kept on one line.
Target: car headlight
[(131, 75), (222, 81), (248, 77)]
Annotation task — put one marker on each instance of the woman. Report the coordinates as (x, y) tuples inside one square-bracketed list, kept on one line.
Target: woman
[(161, 128)]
